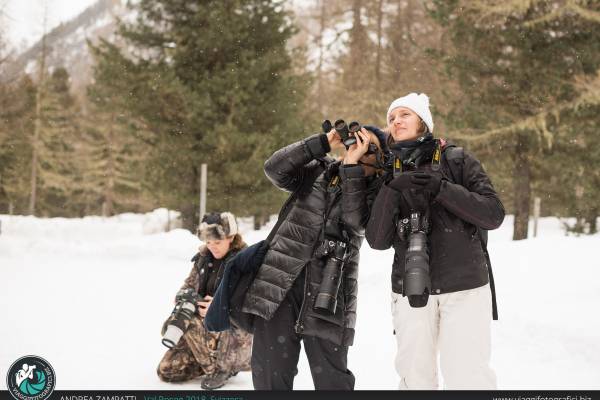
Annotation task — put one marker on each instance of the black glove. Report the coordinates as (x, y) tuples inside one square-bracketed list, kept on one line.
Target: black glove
[(404, 181), (417, 180), (428, 181)]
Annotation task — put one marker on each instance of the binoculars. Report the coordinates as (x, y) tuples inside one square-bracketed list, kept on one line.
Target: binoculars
[(345, 131)]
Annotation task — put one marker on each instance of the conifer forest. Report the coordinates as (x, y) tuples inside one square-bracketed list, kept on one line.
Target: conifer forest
[(120, 119)]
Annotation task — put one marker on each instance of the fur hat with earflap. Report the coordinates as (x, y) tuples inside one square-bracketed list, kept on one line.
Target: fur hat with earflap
[(217, 226)]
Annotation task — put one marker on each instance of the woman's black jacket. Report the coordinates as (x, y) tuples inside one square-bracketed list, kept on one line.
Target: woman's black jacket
[(321, 210), (456, 256)]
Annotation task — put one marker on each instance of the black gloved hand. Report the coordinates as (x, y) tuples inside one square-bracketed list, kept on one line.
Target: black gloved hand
[(428, 181), (404, 181), (417, 180)]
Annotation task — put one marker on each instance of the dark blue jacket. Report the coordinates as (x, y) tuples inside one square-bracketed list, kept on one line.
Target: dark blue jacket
[(227, 301)]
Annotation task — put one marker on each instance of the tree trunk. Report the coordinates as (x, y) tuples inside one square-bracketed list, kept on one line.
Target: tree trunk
[(259, 221), (320, 83), (593, 220), (189, 217), (379, 46), (35, 144), (189, 209), (356, 48), (38, 122), (109, 190), (522, 188)]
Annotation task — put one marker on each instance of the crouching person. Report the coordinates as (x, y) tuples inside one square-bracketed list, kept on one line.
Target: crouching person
[(306, 288), (214, 357)]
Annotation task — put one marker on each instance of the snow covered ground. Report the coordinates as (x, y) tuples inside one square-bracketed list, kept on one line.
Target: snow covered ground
[(89, 295)]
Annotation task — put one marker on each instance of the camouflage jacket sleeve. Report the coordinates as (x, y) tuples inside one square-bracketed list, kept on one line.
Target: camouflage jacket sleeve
[(193, 279)]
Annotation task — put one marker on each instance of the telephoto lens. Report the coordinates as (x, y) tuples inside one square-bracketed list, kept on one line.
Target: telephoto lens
[(179, 320), (417, 282), (326, 299)]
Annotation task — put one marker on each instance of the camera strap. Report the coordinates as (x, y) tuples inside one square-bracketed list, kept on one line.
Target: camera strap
[(454, 159), (331, 194), (333, 183), (397, 166), (437, 156)]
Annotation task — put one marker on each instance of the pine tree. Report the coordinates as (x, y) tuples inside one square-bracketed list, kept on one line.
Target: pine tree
[(387, 54), (17, 105), (222, 74), (114, 147), (514, 61), (354, 94), (59, 131), (571, 184)]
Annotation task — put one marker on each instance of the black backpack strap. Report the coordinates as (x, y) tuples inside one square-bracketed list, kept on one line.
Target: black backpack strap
[(454, 158), (483, 241)]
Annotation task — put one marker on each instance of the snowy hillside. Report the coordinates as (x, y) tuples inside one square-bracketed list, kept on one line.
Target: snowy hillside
[(67, 43), (89, 295)]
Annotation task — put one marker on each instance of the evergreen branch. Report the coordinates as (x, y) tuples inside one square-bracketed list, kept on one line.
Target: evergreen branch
[(570, 7), (506, 8), (537, 123)]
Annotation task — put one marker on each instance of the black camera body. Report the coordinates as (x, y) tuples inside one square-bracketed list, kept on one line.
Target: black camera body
[(334, 252), (417, 281)]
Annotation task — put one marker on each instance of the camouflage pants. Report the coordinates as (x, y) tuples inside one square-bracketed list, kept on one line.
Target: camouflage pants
[(200, 352)]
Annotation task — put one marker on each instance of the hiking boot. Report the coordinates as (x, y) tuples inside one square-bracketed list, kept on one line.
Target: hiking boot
[(215, 380)]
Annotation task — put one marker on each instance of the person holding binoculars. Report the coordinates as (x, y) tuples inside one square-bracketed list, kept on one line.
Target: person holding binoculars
[(434, 209), (306, 288), (193, 351)]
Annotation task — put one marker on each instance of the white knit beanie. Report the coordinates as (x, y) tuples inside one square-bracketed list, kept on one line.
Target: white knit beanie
[(419, 103)]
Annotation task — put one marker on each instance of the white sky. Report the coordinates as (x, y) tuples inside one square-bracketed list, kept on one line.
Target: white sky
[(22, 20)]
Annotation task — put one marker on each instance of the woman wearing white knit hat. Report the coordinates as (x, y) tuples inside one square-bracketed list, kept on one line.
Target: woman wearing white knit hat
[(434, 210)]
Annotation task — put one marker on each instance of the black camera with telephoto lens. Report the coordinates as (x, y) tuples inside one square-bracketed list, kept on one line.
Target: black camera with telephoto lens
[(417, 281), (334, 254), (186, 302)]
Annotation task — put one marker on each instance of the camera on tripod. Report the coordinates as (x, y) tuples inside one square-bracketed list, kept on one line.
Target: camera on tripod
[(417, 281)]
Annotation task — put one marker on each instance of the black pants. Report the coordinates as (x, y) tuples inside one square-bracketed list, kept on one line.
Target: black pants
[(276, 350)]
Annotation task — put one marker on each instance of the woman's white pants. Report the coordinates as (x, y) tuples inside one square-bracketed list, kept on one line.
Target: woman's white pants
[(457, 327)]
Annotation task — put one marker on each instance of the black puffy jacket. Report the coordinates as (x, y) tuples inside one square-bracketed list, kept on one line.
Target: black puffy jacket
[(320, 210), (456, 256)]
